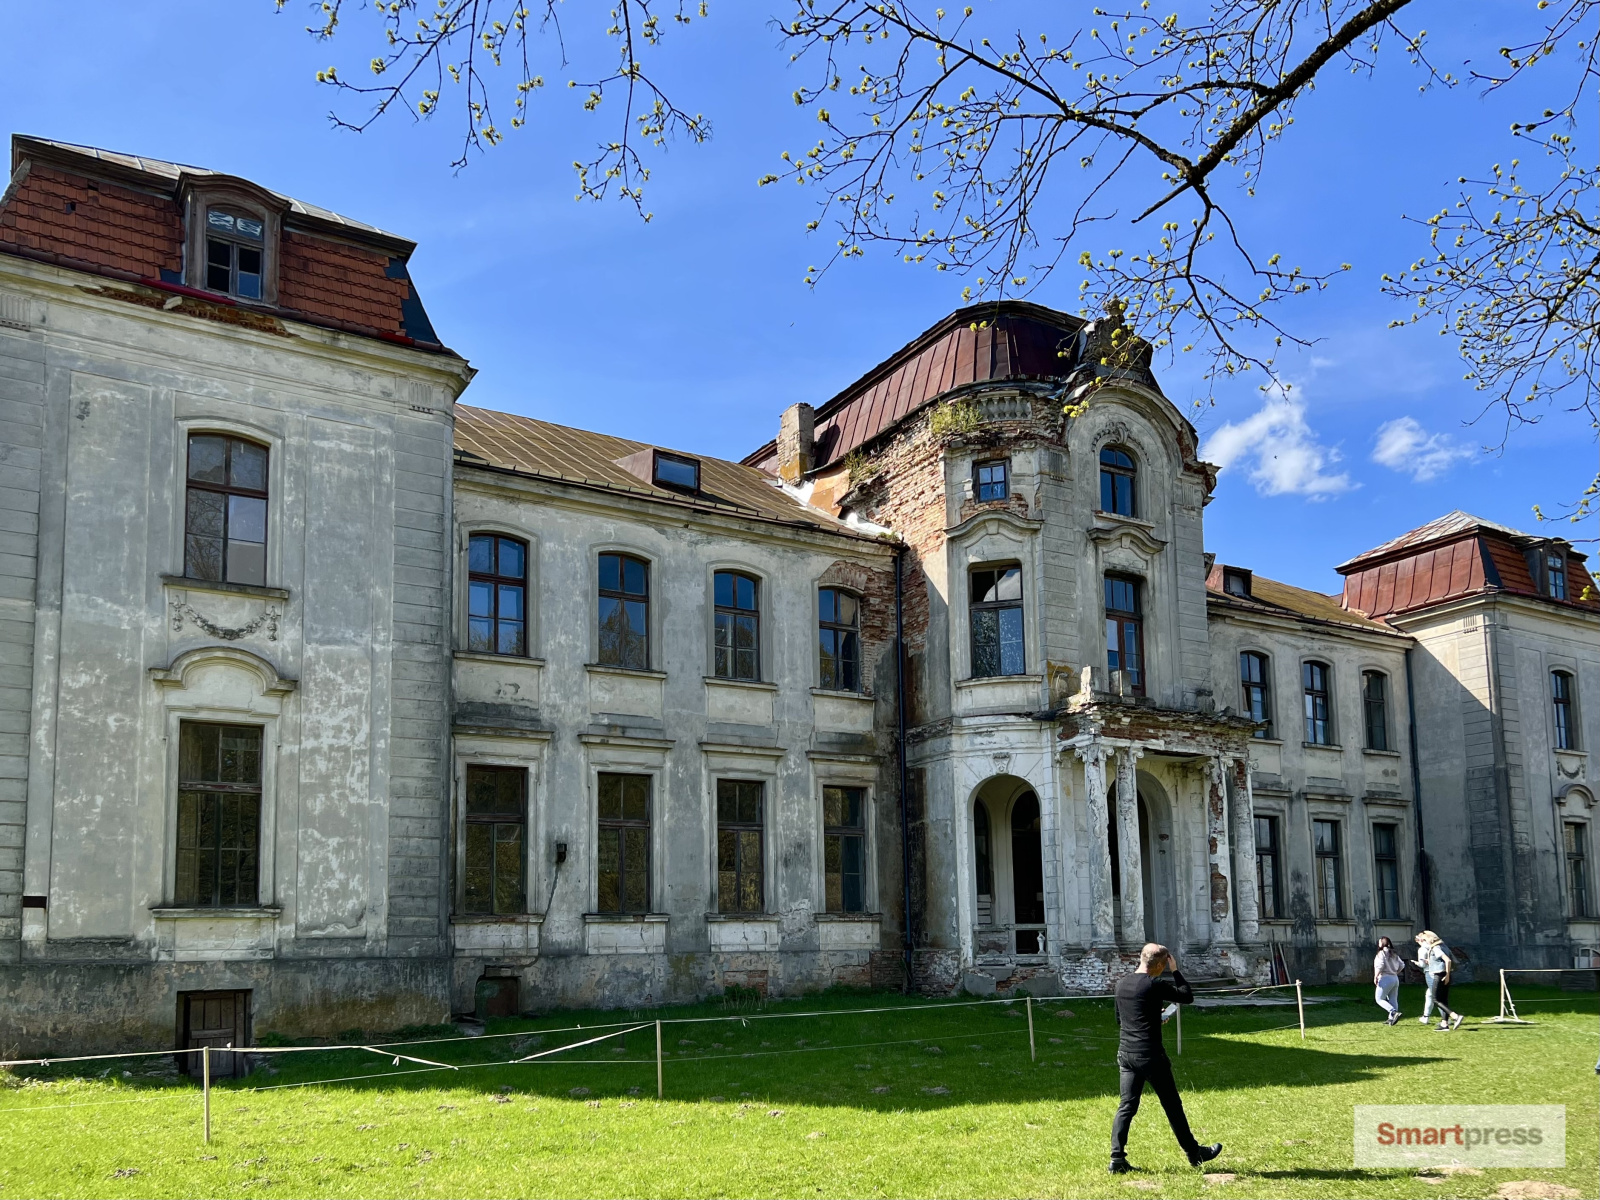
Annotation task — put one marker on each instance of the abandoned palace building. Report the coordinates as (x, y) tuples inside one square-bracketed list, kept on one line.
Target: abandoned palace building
[(329, 701)]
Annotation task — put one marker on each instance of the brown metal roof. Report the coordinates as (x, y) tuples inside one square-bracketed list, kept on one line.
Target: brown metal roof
[(540, 448), (1011, 339)]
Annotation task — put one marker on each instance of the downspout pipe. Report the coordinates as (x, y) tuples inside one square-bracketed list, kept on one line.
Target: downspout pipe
[(900, 743), (1416, 801)]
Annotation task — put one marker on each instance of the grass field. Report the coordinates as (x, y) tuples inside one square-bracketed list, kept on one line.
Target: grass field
[(939, 1102)]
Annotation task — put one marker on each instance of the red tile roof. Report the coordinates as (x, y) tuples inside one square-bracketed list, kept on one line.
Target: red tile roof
[(1008, 340)]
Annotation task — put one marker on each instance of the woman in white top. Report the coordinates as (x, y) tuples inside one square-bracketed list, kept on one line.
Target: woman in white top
[(1386, 968)]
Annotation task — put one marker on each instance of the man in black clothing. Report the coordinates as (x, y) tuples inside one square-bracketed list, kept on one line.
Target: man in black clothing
[(1143, 1059)]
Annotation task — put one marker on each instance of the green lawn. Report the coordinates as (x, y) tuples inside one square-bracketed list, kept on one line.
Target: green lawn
[(943, 1101)]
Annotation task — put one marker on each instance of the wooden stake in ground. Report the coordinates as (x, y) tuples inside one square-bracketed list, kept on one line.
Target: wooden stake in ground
[(205, 1086), (659, 1092), (1300, 1003), (1033, 1053)]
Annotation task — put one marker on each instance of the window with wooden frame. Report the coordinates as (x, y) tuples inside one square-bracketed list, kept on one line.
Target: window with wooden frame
[(219, 815), (1575, 841), (1117, 477), (996, 616), (1330, 876), (623, 867), (1269, 875), (1386, 871), (1555, 575), (235, 253), (624, 612), (497, 595), (1314, 686), (1563, 699), (495, 828), (844, 849), (741, 837), (1255, 690), (225, 510), (1125, 630), (839, 639), (736, 649), (1375, 709), (991, 480)]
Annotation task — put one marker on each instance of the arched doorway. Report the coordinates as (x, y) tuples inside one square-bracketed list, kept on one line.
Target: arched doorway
[(1008, 867), (1155, 868)]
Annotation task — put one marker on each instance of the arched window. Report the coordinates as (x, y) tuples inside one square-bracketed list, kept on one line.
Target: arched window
[(1563, 696), (839, 639), (1255, 690), (1116, 481), (1319, 726), (1375, 708), (497, 590), (737, 646), (225, 517), (624, 612)]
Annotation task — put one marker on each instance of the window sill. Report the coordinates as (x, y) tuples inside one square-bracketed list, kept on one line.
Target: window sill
[(722, 917), (1124, 519), (840, 694), (1347, 921), (860, 916), (979, 680), (1266, 741), (590, 918), (1381, 753), (631, 672), (1334, 746), (481, 656), (758, 685), (497, 919), (226, 589), (184, 912)]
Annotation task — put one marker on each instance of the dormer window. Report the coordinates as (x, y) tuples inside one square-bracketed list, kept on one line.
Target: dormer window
[(1555, 575), (676, 472), (234, 253), (1236, 583)]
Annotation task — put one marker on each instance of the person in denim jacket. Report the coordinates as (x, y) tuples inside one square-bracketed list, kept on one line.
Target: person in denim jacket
[(1433, 956)]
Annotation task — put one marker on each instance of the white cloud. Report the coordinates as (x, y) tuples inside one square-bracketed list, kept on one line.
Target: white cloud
[(1404, 445), (1280, 450)]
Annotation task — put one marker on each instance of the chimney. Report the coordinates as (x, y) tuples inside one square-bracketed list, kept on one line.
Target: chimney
[(796, 442)]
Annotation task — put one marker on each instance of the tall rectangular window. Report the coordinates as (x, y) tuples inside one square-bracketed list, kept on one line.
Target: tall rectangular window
[(1125, 630), (1255, 690), (225, 516), (497, 590), (624, 612), (1117, 474), (737, 650), (1269, 879), (1575, 838), (234, 254), (844, 849), (1314, 676), (1562, 698), (1375, 707), (839, 639), (996, 612), (740, 835), (219, 815), (1330, 885), (992, 480), (1386, 870), (1555, 576), (495, 829), (624, 859)]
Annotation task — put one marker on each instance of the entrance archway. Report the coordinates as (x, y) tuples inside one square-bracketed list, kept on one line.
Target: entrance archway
[(1155, 866), (1008, 867)]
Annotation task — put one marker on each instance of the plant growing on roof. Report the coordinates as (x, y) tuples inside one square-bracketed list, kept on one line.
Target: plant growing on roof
[(954, 418), (860, 468)]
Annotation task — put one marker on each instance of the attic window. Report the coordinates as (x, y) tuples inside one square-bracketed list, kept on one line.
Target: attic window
[(1555, 575), (1236, 583), (234, 254), (673, 471)]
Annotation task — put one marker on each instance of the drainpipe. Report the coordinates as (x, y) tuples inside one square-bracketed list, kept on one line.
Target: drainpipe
[(1416, 792), (900, 742)]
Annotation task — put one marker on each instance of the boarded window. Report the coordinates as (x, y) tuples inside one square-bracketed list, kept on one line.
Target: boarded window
[(624, 858), (497, 594), (225, 517), (844, 848), (219, 815), (740, 840), (496, 835)]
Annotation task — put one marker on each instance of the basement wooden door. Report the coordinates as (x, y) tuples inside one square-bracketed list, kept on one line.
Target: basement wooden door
[(215, 1019)]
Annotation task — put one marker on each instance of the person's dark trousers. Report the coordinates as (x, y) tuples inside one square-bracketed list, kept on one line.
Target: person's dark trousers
[(1158, 1074)]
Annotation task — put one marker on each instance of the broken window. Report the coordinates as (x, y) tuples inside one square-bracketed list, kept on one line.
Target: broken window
[(234, 254), (737, 647), (225, 517), (1330, 875), (1386, 870), (992, 480), (740, 837), (1269, 878), (839, 637), (1125, 630), (624, 858), (496, 834), (1255, 690), (1375, 707), (844, 849), (1563, 698), (624, 612), (497, 590), (1319, 728), (1116, 481), (219, 815), (996, 613)]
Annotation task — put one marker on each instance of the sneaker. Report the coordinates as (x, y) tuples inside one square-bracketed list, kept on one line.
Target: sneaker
[(1121, 1166), (1205, 1154), (1442, 1027), (1455, 1022), (1422, 1020), (1394, 1019)]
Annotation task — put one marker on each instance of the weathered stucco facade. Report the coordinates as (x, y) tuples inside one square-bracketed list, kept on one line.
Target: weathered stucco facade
[(340, 703)]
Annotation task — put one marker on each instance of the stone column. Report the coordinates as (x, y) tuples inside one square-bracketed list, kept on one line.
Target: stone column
[(1218, 857), (1102, 927), (1247, 914), (1128, 856)]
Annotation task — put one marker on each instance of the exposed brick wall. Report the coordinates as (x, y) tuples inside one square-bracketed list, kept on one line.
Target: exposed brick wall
[(93, 222), (339, 283)]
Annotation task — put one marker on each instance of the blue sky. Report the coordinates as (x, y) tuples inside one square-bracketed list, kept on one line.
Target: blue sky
[(697, 330)]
